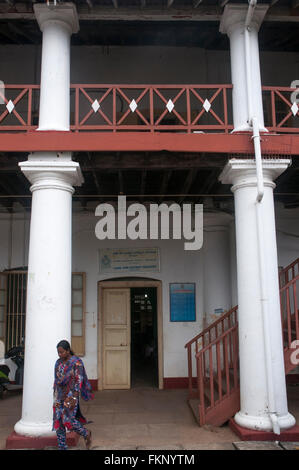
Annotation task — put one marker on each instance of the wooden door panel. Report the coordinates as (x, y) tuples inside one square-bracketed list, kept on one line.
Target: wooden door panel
[(117, 369), (116, 339)]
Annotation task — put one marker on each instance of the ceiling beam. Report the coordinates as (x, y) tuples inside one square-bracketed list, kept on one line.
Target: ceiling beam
[(183, 13), (166, 177), (142, 184), (15, 29), (121, 182), (188, 183), (96, 182), (154, 161), (94, 175), (9, 34)]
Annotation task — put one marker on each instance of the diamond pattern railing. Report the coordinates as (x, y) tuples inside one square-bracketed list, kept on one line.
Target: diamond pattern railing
[(280, 111), (150, 108), (147, 108)]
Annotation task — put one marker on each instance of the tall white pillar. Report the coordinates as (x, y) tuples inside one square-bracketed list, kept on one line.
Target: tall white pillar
[(216, 252), (233, 24), (52, 175), (254, 385), (48, 312), (57, 24)]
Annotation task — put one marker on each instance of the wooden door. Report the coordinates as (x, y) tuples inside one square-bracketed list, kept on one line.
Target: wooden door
[(116, 339)]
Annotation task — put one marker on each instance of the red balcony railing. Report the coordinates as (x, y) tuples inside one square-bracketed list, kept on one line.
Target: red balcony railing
[(146, 108)]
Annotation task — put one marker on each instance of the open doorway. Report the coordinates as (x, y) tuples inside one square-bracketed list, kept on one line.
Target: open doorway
[(144, 338), (130, 334)]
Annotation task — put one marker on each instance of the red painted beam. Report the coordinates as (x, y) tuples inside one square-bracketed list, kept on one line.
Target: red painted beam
[(54, 141)]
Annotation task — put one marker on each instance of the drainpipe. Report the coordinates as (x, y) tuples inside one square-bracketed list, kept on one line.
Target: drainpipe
[(253, 122)]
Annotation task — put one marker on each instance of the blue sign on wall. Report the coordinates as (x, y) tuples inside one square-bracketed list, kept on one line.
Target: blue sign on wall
[(182, 302)]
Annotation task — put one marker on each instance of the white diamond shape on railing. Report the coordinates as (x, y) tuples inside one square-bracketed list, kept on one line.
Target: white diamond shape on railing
[(133, 106), (207, 105), (95, 106), (10, 106), (170, 106), (294, 108)]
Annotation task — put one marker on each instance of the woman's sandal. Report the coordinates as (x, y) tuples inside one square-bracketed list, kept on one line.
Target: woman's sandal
[(88, 440)]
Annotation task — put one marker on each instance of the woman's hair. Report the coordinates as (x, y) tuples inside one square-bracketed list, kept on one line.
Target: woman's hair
[(64, 344)]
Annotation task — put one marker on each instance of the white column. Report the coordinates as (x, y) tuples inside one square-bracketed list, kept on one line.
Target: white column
[(57, 24), (216, 252), (48, 312), (233, 24), (53, 175), (253, 371)]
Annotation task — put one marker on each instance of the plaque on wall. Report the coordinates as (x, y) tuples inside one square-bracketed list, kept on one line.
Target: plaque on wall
[(129, 260), (182, 302)]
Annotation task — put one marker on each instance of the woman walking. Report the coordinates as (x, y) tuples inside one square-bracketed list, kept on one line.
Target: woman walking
[(70, 381)]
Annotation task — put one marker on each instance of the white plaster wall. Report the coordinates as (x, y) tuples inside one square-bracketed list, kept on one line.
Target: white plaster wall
[(177, 265)]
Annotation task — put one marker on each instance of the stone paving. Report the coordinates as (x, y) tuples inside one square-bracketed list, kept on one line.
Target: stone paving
[(146, 419)]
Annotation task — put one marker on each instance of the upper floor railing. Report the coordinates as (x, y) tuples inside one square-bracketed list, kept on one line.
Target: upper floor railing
[(147, 108)]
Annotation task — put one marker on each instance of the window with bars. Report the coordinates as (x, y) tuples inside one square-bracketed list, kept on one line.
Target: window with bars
[(13, 289), (16, 287)]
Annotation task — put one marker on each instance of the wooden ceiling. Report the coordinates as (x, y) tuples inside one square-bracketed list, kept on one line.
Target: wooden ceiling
[(191, 23), (145, 177)]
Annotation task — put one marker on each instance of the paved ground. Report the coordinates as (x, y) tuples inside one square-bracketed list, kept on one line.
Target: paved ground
[(142, 418)]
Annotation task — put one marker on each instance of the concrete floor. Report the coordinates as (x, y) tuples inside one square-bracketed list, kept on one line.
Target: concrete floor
[(143, 418)]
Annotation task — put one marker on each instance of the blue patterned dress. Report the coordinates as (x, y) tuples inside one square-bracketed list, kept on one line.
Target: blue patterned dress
[(70, 380)]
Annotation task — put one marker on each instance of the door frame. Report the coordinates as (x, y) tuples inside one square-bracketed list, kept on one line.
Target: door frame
[(110, 284)]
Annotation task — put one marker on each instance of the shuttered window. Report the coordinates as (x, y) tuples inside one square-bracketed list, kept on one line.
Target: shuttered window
[(78, 313)]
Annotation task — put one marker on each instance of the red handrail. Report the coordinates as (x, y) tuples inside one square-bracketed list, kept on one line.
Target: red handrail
[(290, 311), (219, 380), (288, 273), (212, 330)]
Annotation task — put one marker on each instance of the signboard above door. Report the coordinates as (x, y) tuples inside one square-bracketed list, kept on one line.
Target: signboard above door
[(129, 260)]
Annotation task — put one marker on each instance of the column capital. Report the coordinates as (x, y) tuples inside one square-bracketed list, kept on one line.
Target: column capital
[(234, 15), (62, 13), (242, 172), (46, 173)]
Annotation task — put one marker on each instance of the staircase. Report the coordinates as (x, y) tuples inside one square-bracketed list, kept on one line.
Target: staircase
[(213, 357)]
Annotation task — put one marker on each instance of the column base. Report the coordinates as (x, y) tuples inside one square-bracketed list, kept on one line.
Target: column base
[(16, 441), (245, 434), (263, 423)]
